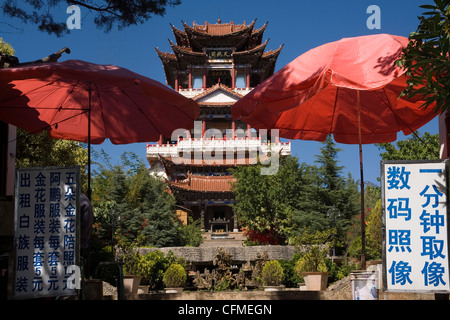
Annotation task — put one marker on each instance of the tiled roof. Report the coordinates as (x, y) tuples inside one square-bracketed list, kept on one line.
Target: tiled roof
[(166, 55), (217, 86), (205, 183), (272, 53), (219, 29)]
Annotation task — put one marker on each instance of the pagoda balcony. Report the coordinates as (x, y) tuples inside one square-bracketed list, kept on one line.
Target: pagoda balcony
[(202, 145), (191, 93)]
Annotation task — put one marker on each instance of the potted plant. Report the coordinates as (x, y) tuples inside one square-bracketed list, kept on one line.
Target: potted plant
[(175, 278), (311, 265), (131, 259), (272, 275)]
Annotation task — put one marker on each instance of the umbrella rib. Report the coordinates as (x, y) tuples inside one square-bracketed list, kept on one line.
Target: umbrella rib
[(334, 110), (49, 125), (399, 119), (60, 107), (37, 108), (139, 108), (100, 106)]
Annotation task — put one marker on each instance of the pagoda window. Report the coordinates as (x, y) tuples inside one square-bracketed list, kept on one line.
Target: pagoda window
[(198, 82), (240, 79)]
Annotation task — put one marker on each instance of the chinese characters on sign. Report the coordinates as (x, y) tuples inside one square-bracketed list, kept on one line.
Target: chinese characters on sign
[(219, 54), (415, 221), (46, 226)]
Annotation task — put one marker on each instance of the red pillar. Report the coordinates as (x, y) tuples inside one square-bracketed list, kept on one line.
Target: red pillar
[(247, 80), (176, 83), (203, 127), (190, 78), (233, 78), (204, 78)]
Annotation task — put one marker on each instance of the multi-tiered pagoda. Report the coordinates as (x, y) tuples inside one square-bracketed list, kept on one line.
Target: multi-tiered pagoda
[(215, 65)]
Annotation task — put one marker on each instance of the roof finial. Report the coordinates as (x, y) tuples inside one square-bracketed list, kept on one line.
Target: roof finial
[(219, 21)]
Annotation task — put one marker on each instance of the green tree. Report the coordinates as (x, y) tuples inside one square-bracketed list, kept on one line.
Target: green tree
[(108, 13), (39, 150), (425, 147), (373, 232), (6, 48), (426, 57), (324, 190), (127, 197), (265, 202)]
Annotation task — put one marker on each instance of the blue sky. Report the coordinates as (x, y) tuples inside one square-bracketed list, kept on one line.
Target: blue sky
[(299, 25)]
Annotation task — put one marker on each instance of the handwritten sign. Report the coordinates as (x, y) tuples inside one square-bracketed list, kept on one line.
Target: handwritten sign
[(416, 226), (46, 231)]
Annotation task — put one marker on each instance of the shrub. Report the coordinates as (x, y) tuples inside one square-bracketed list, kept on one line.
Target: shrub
[(312, 261), (290, 279), (175, 276), (272, 273), (153, 265)]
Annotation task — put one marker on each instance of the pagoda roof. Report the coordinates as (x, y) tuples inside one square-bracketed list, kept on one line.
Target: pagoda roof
[(187, 55), (195, 45), (219, 29), (253, 54), (180, 36), (217, 35), (169, 61), (201, 183), (215, 88)]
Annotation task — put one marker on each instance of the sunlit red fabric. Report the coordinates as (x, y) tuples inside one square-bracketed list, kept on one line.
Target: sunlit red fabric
[(125, 107), (316, 94)]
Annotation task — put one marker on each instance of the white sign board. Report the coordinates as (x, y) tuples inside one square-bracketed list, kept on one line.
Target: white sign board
[(46, 231), (415, 220)]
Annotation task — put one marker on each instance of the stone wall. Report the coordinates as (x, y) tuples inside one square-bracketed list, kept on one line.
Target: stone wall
[(239, 254)]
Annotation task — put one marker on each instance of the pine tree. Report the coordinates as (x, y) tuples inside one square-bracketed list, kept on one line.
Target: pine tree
[(324, 189), (153, 213)]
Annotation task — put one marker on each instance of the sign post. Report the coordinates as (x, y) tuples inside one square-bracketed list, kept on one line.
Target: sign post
[(46, 236), (415, 226)]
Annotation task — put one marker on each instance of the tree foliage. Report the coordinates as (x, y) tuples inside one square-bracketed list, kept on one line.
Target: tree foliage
[(108, 13), (39, 150), (327, 199), (299, 197), (426, 58), (418, 147), (6, 48), (128, 198), (265, 202)]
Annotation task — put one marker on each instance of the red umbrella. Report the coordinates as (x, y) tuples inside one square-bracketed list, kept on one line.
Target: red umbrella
[(82, 101), (124, 107), (350, 88)]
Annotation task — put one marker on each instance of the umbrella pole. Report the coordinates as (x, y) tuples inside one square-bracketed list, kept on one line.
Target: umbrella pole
[(89, 191), (363, 222)]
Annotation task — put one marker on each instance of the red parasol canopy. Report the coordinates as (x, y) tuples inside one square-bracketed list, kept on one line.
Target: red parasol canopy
[(317, 94), (77, 100), (349, 88), (123, 106)]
